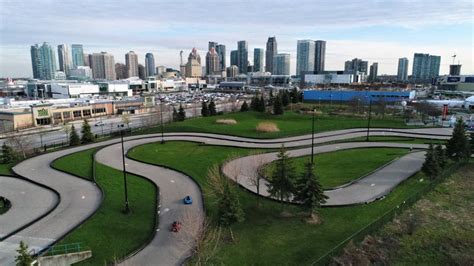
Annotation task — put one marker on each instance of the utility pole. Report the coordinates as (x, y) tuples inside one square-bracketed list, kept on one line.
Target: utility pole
[(368, 122), (127, 208), (312, 138)]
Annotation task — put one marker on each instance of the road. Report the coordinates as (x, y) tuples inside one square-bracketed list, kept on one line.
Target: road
[(80, 198)]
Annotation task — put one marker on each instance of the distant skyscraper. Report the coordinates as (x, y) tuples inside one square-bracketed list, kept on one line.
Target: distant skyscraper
[(281, 64), (141, 72), (36, 61), (454, 70), (373, 72), (271, 51), (220, 50), (320, 56), (232, 71), (402, 73), (356, 65), (193, 67), (258, 60), (234, 57), (120, 71), (86, 60), (43, 61), (77, 55), (425, 67), (243, 56), (63, 57), (149, 64), (212, 62), (212, 45), (103, 66), (305, 57), (131, 61)]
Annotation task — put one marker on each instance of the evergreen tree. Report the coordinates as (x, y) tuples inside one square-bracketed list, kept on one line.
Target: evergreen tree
[(294, 95), (285, 98), (175, 115), (254, 103), (441, 156), (229, 211), (309, 191), (23, 258), (281, 185), (8, 154), (277, 106), (244, 107), (271, 98), (431, 166), (472, 143), (458, 146), (204, 109), (73, 137), (181, 113), (212, 108), (261, 105), (87, 136)]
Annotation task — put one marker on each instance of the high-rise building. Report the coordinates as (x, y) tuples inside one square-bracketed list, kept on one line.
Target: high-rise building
[(402, 73), (373, 72), (356, 65), (131, 61), (103, 66), (141, 72), (193, 66), (271, 51), (305, 57), (43, 61), (77, 55), (258, 60), (425, 67), (86, 60), (120, 71), (212, 62), (243, 56), (212, 45), (234, 57), (36, 61), (232, 71), (149, 64), (319, 56), (281, 64), (454, 70), (220, 50), (63, 57)]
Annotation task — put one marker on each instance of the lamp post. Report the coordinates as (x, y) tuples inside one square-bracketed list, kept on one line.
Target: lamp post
[(127, 209), (312, 139), (161, 123), (368, 122)]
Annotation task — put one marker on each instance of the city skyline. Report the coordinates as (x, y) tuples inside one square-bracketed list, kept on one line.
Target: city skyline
[(360, 35)]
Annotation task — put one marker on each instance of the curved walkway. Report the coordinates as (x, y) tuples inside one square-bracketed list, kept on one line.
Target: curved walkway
[(80, 198)]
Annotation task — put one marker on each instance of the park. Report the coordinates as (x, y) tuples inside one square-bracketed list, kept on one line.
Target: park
[(118, 197)]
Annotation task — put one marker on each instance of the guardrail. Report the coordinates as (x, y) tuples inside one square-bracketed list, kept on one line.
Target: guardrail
[(63, 249)]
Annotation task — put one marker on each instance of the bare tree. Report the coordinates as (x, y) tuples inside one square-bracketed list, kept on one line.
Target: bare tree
[(21, 143), (259, 175), (67, 130), (126, 119)]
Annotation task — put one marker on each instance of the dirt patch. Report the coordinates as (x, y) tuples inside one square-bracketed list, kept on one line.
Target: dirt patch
[(266, 127), (226, 121)]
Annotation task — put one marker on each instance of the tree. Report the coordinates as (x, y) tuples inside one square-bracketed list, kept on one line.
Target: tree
[(309, 191), (74, 138), (126, 119), (278, 106), (204, 109), (87, 136), (244, 107), (458, 146), (281, 184), (294, 95), (254, 103), (441, 156), (23, 258), (20, 143), (285, 98), (175, 115), (212, 108), (8, 154), (261, 105), (431, 166), (181, 113)]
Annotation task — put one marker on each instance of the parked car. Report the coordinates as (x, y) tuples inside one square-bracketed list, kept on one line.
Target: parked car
[(188, 200), (99, 124)]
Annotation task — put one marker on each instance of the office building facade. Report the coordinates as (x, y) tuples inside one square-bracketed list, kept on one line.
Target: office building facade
[(258, 55), (131, 61), (356, 65), (220, 50), (212, 62), (103, 66), (243, 56), (36, 61), (425, 67), (63, 57), (77, 53), (43, 61), (305, 56), (281, 64), (374, 68), (320, 56), (402, 72), (149, 65), (272, 50), (234, 57)]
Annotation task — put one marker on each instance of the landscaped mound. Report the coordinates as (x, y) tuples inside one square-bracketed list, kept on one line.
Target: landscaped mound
[(267, 127), (226, 121)]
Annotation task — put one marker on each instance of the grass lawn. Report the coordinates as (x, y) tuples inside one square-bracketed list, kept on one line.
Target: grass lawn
[(340, 167), (3, 207), (290, 124), (109, 233), (437, 230), (398, 139), (264, 238), (6, 169)]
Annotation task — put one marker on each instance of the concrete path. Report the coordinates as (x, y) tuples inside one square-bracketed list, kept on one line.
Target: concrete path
[(367, 189), (28, 202)]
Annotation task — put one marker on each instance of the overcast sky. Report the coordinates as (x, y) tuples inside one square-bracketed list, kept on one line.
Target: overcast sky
[(375, 30)]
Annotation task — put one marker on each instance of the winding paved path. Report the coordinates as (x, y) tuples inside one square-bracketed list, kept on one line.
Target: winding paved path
[(80, 198)]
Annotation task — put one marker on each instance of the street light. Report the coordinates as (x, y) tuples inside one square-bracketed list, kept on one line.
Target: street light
[(368, 122), (161, 123), (312, 139), (127, 209)]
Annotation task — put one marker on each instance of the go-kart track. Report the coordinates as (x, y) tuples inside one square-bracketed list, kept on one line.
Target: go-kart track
[(41, 215)]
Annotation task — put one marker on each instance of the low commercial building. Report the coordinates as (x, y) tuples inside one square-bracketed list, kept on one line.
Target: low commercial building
[(80, 90), (364, 96), (334, 78), (456, 82)]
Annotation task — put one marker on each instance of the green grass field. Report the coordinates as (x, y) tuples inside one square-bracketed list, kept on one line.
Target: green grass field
[(109, 233), (264, 238), (338, 168), (6, 169), (290, 124)]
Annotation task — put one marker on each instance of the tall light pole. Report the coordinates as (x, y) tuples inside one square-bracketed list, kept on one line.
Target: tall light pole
[(127, 208), (312, 138), (161, 123), (368, 122)]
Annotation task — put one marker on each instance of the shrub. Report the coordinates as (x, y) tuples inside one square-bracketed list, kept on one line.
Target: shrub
[(226, 121), (267, 127)]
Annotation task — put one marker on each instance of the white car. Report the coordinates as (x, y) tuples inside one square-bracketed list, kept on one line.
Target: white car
[(99, 124)]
